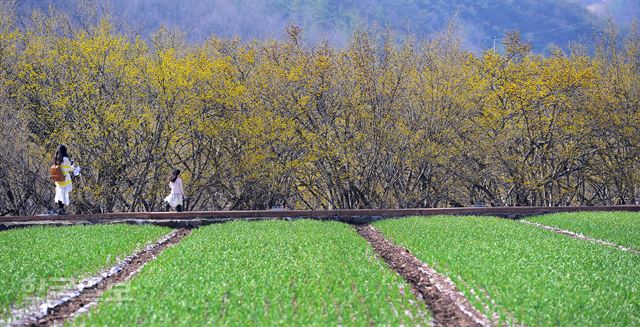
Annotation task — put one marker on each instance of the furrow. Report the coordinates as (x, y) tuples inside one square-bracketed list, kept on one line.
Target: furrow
[(581, 237), (448, 304), (87, 293)]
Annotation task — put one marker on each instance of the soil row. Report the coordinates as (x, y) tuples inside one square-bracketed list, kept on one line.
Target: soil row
[(67, 306), (581, 237), (448, 305)]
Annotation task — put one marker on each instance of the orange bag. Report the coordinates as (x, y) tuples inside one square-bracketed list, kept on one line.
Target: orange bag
[(56, 174)]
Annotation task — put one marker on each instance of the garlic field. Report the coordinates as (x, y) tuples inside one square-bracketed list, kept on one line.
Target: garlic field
[(311, 272)]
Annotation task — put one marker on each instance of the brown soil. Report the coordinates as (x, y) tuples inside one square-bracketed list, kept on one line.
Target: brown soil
[(128, 268), (581, 237), (449, 306)]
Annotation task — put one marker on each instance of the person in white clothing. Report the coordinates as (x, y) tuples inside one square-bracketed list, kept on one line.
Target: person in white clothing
[(177, 192), (63, 188)]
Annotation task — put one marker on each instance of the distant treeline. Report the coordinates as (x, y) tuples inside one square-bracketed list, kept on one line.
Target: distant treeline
[(263, 124)]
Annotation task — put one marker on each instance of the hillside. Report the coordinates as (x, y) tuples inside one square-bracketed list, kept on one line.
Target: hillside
[(542, 22)]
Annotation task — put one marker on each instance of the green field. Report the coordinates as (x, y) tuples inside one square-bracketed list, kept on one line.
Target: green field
[(618, 227), (266, 273), (32, 259), (535, 277)]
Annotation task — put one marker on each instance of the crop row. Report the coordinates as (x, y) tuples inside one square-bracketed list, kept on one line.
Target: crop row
[(622, 228), (36, 260), (526, 274), (266, 273)]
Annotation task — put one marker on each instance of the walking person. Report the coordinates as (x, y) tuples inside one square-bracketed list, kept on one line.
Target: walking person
[(177, 192), (60, 172)]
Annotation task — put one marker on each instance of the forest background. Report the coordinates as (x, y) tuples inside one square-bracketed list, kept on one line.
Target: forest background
[(378, 123)]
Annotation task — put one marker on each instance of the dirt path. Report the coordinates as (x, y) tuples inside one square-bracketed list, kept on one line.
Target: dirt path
[(581, 237), (449, 306), (89, 291)]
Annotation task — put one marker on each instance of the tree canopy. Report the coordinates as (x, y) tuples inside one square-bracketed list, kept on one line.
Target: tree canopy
[(265, 123)]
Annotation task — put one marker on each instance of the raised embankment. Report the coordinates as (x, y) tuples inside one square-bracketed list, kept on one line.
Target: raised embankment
[(190, 219)]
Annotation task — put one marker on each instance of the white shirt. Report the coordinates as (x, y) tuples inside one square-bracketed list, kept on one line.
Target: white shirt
[(176, 187)]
